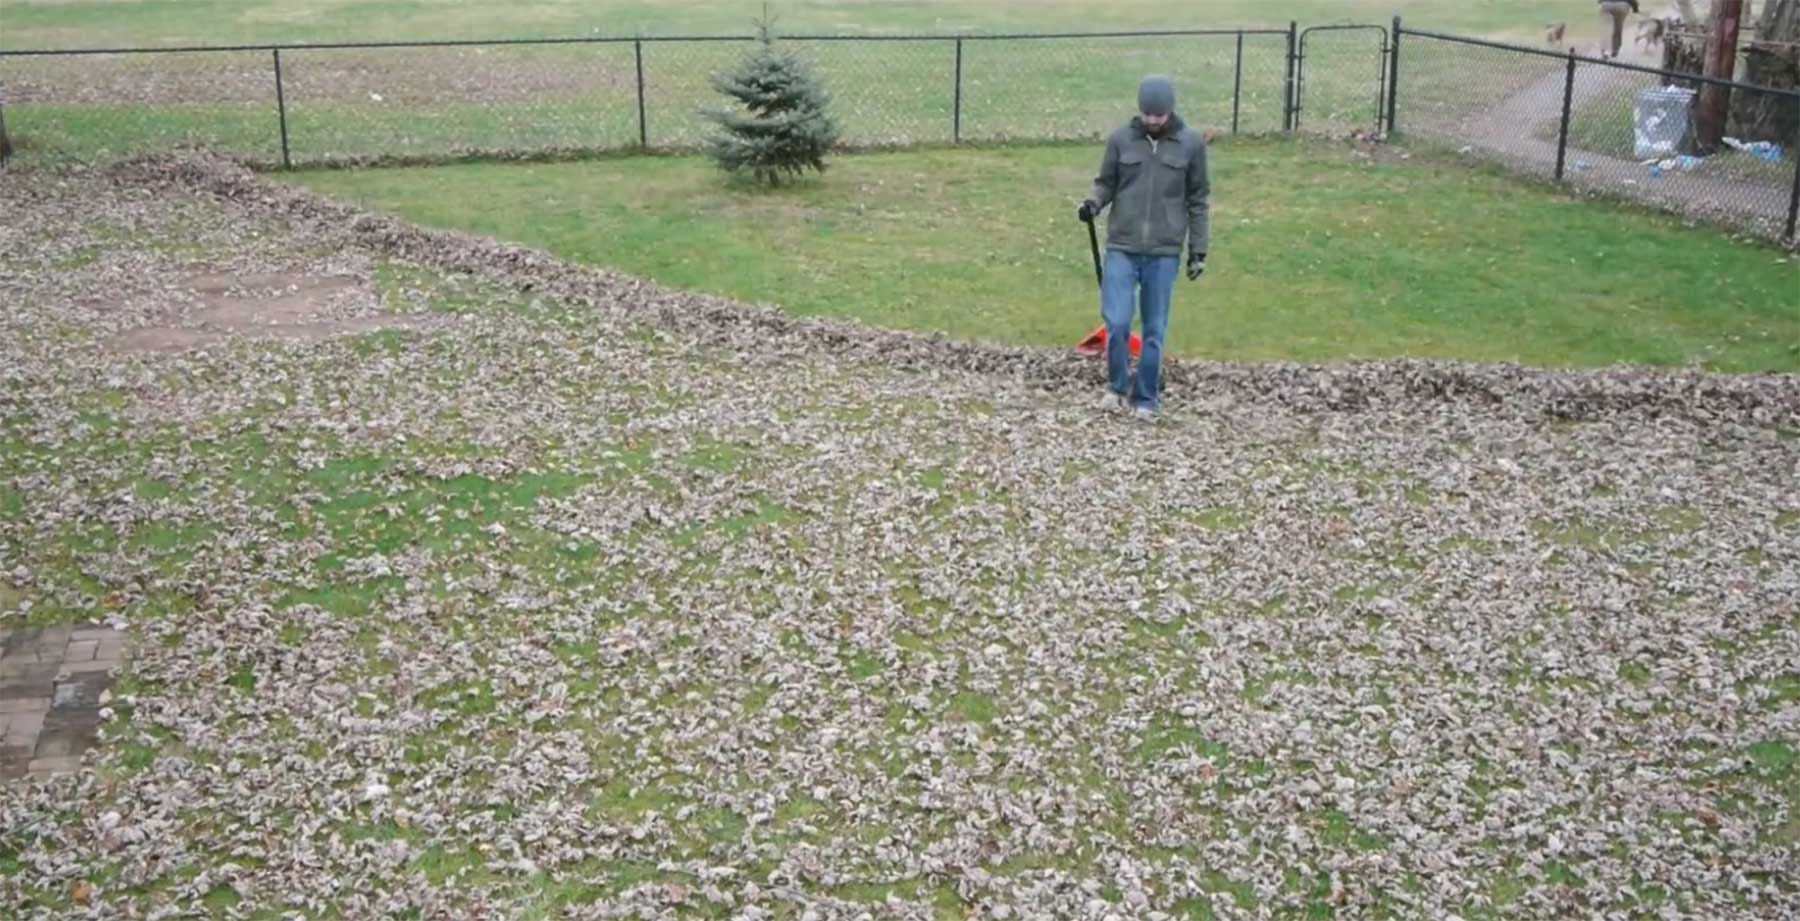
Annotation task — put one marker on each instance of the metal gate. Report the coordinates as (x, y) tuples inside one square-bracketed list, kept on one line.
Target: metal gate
[(1344, 50)]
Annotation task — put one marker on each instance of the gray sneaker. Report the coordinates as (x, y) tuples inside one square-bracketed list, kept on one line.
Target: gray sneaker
[(1144, 414), (1113, 402)]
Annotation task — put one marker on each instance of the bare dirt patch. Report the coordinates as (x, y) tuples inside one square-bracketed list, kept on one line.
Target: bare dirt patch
[(280, 305)]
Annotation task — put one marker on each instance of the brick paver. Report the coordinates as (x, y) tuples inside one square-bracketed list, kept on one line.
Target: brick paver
[(51, 682)]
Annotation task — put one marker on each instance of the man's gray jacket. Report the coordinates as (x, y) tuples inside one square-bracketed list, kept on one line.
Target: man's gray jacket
[(1158, 190)]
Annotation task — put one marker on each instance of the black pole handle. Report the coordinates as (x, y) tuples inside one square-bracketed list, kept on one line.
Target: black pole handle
[(1094, 244)]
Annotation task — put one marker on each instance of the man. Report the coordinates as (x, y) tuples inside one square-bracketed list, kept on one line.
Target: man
[(1154, 176), (1614, 13)]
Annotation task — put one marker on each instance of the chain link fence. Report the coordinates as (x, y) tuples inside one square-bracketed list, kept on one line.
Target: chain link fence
[(885, 93), (99, 106), (1606, 127), (320, 105), (420, 103), (1573, 120), (1082, 87)]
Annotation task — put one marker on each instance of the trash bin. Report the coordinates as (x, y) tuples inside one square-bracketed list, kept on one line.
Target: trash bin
[(1661, 120)]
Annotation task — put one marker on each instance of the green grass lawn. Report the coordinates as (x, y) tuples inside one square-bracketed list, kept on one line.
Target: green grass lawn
[(73, 23), (1320, 254)]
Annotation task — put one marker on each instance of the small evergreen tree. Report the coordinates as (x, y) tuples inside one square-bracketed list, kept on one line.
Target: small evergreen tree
[(781, 127)]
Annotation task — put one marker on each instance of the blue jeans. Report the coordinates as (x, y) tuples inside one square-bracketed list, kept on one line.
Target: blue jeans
[(1149, 281)]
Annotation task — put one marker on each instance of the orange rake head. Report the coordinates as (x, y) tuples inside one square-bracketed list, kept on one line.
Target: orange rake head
[(1095, 343)]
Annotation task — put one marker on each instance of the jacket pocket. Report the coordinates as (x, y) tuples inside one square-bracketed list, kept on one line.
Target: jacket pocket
[(1131, 166)]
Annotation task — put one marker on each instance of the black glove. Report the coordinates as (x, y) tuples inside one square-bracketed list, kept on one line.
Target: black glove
[(1089, 210), (1196, 265)]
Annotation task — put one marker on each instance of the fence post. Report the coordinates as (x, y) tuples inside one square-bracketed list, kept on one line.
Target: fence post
[(1562, 136), (1237, 82), (281, 110), (1381, 75), (5, 141), (637, 47), (1287, 96), (1793, 223), (956, 114), (1300, 78), (1393, 76)]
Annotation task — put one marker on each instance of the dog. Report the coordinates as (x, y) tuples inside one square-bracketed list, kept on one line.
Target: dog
[(1651, 32)]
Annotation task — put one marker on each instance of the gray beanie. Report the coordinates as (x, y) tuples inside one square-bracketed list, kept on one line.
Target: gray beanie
[(1156, 95)]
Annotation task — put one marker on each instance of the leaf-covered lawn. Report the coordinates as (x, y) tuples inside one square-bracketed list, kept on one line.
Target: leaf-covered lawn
[(592, 600)]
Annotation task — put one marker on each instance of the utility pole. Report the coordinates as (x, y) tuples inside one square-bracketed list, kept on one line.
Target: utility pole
[(1721, 64)]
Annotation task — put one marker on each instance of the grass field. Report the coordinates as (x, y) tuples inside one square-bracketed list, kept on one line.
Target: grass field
[(1321, 254), (90, 23)]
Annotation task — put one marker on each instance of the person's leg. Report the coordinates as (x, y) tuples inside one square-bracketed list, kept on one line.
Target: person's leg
[(1159, 287), (1617, 13), (1118, 293)]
